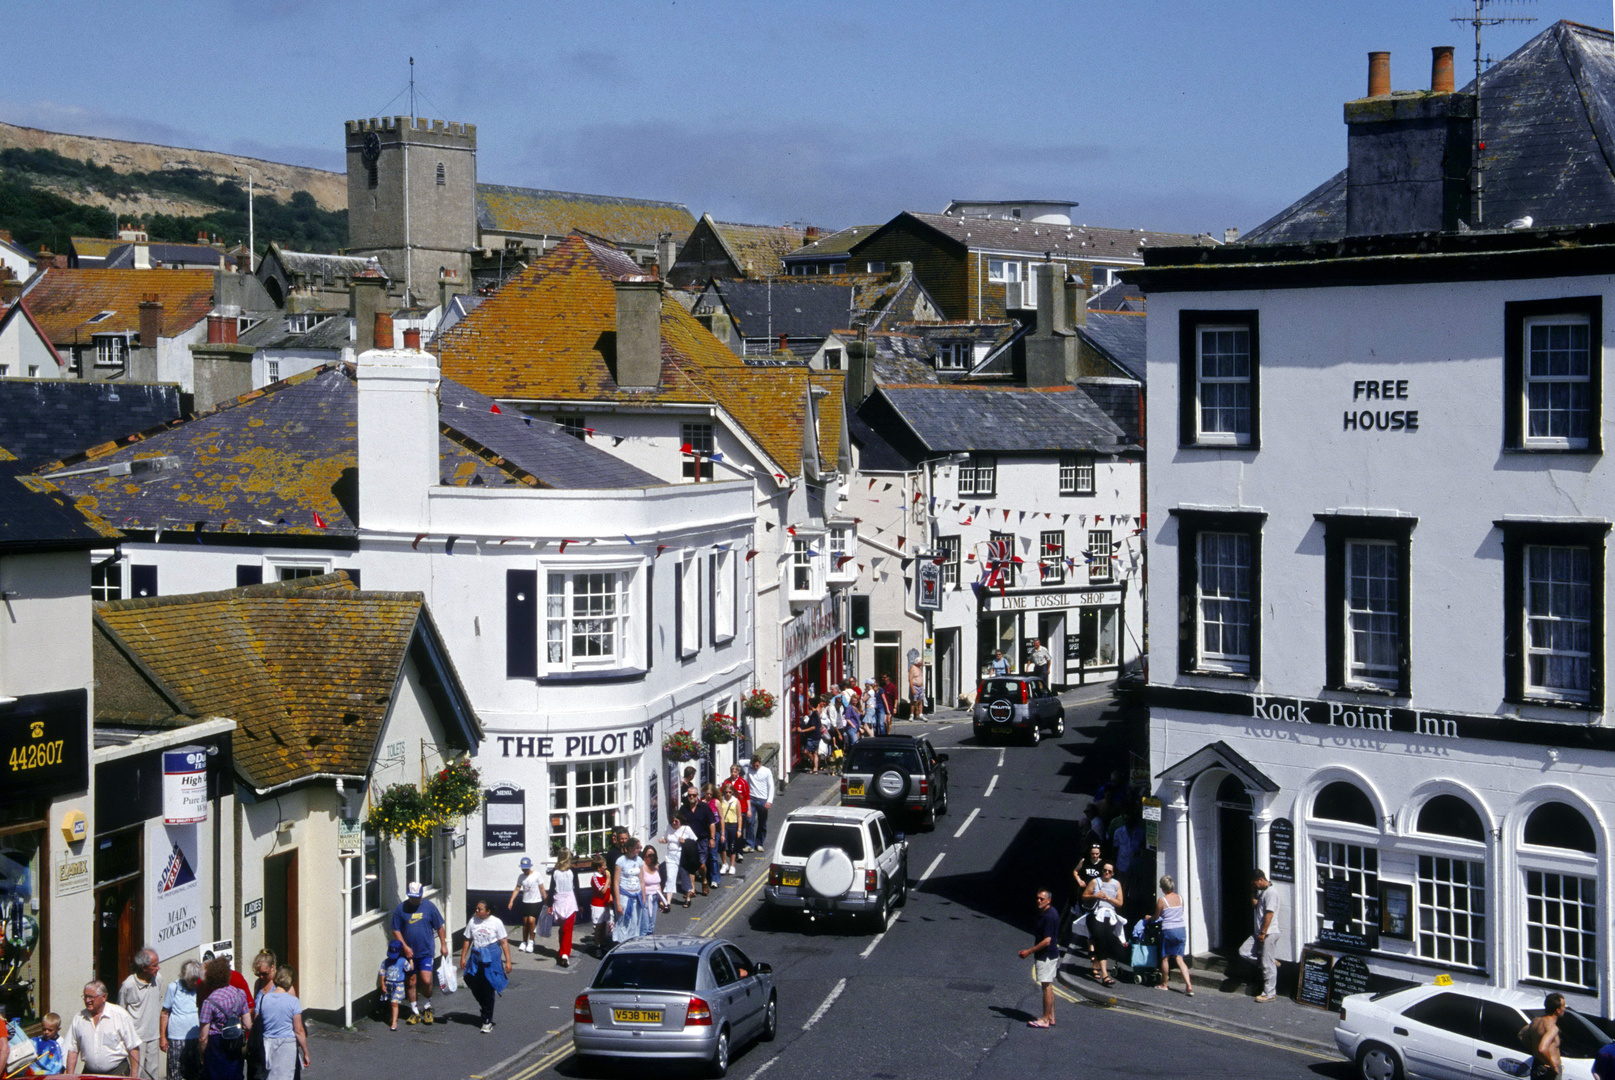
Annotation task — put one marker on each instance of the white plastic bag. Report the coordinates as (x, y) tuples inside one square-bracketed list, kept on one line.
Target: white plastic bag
[(447, 980)]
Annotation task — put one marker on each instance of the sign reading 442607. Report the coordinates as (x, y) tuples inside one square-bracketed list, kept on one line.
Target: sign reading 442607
[(44, 748)]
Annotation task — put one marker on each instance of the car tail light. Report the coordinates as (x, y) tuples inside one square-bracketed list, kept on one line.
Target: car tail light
[(925, 787), (580, 1010), (774, 875), (1024, 697), (843, 785), (699, 1014), (871, 880)]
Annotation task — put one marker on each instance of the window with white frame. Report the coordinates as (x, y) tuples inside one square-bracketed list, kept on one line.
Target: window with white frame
[(1100, 548), (586, 619), (1452, 910), (697, 442), (1223, 600), (978, 476), (725, 595), (1223, 370), (1558, 614), (1076, 476), (111, 350), (1005, 270), (271, 370), (1373, 613), (802, 576), (832, 359), (1001, 557), (949, 547), (575, 426), (843, 550), (106, 580), (952, 355), (297, 573), (587, 800), (689, 612), (1561, 928), (1358, 865), (1051, 556), (364, 876), (1558, 381), (420, 859)]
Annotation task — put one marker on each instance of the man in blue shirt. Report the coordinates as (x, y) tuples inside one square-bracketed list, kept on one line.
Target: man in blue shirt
[(999, 666), (416, 922), (1045, 954)]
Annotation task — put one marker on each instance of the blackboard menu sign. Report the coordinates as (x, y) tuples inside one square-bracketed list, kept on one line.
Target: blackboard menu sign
[(1281, 846), (1349, 977), (504, 819), (1337, 901), (1312, 988)]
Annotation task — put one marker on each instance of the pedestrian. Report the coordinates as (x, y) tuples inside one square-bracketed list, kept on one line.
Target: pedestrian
[(628, 890), (418, 925), (142, 999), (655, 896), (888, 691), (1088, 870), (530, 885), (1130, 858), (600, 903), (999, 665), (852, 718), (916, 686), (1603, 1063), (1266, 906), (704, 823), (1045, 954), (614, 849), (1040, 660), (709, 799), (1541, 1038), (877, 707), (761, 779), (485, 959), (263, 969), (280, 1016), (102, 1036), (1105, 920), (390, 979), (682, 840), (689, 789), (225, 1019), (729, 814), (48, 1057), (1173, 917), (564, 905), (179, 1024), (807, 735), (742, 786)]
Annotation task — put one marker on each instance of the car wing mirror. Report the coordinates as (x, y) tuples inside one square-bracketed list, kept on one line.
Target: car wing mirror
[(765, 969), (942, 757)]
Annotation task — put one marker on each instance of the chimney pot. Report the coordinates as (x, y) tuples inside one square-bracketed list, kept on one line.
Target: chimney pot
[(1379, 74), (383, 336), (1441, 69), (412, 339), (1230, 235)]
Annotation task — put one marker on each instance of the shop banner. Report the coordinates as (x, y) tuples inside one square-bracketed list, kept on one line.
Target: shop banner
[(185, 785), (176, 891), (44, 745), (811, 631)]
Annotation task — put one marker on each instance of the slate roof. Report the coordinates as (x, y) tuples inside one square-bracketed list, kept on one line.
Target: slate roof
[(1548, 121), (548, 332), (1122, 296), (34, 521), (122, 257), (799, 307), (308, 669), (1065, 241), (64, 301), (317, 266), (46, 419), (836, 243), (534, 212), (334, 333), (875, 454), (267, 462), (1120, 336), (957, 418)]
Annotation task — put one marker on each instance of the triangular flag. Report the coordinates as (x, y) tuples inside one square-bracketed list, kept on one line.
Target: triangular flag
[(564, 543), (906, 563), (416, 546), (628, 538), (887, 487), (791, 529), (1023, 516), (319, 522), (685, 449), (750, 555), (616, 440), (716, 457), (779, 476), (495, 408), (1065, 518), (769, 525), (659, 549), (588, 431), (967, 521), (901, 540), (448, 545), (871, 486)]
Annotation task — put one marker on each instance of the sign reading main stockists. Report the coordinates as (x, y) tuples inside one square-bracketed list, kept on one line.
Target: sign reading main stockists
[(577, 747)]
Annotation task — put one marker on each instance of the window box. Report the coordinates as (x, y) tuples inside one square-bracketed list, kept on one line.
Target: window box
[(1219, 369)]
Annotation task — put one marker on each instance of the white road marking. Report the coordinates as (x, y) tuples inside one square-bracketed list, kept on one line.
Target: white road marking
[(990, 785), (763, 1068), (936, 862), (1001, 752), (966, 825), (890, 920), (818, 1014)]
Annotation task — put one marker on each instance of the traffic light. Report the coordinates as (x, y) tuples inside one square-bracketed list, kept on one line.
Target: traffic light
[(859, 611)]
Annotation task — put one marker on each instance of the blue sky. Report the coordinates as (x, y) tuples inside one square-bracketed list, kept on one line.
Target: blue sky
[(1171, 116)]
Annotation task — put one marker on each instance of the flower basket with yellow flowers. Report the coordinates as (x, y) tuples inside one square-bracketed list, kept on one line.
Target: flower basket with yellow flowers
[(401, 810), (455, 790)]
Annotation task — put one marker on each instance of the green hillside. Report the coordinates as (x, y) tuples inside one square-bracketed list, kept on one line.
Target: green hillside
[(39, 218)]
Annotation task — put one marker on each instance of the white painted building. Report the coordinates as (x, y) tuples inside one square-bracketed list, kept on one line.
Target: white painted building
[(25, 350)]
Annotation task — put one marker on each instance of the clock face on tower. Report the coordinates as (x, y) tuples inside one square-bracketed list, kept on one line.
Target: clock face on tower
[(372, 147)]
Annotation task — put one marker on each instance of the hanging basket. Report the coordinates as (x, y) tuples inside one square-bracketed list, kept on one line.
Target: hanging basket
[(455, 790), (758, 703), (720, 728), (401, 810), (681, 746)]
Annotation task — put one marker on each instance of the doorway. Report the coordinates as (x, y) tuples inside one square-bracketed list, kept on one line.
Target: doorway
[(888, 651), (1051, 631), (119, 916), (280, 907), (1236, 847), (947, 667)]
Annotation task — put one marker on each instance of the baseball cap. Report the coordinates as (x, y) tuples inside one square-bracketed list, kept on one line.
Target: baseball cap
[(527, 864), (414, 892)]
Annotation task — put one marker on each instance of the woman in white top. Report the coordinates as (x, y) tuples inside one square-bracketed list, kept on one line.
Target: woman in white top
[(530, 884), (1170, 913), (564, 904), (655, 900), (482, 933), (688, 860), (628, 888), (1105, 921)]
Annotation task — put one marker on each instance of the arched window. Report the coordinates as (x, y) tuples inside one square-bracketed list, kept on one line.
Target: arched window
[(1448, 815), (1559, 826), (1343, 801)]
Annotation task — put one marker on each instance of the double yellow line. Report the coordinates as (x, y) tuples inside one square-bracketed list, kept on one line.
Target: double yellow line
[(736, 906), (1075, 1000)]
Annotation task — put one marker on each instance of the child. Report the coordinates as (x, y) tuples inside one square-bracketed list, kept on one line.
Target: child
[(50, 1061), (390, 979), (600, 904)]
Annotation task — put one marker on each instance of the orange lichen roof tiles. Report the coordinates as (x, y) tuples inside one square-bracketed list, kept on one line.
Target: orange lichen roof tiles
[(64, 301), (759, 250), (307, 673), (532, 212)]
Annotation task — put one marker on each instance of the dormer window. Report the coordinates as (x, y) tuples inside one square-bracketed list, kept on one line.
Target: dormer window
[(111, 350), (951, 355)]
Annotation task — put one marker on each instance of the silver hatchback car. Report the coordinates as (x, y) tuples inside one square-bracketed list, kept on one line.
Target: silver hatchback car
[(675, 998)]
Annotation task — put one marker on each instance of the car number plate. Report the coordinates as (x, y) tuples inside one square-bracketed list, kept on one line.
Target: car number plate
[(792, 878), (637, 1016), (855, 788)]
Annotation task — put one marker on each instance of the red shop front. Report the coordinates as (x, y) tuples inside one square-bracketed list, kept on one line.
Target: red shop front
[(814, 663)]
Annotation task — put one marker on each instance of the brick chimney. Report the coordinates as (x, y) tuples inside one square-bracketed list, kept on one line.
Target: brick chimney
[(367, 292), (1408, 154), (10, 289), (151, 320), (221, 329), (412, 339), (1051, 349), (639, 333)]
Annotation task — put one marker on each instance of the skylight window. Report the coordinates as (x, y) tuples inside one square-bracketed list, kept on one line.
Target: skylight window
[(102, 317)]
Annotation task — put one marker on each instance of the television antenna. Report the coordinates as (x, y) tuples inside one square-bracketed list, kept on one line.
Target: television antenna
[(1485, 14)]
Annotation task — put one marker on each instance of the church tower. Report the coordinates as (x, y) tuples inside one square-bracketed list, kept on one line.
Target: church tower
[(412, 198)]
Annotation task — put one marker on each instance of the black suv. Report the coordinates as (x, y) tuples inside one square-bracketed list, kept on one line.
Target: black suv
[(900, 774), (1020, 706)]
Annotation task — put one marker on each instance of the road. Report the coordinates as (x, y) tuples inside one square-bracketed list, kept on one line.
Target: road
[(942, 985)]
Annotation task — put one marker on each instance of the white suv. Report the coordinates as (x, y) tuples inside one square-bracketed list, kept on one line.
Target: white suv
[(830, 859)]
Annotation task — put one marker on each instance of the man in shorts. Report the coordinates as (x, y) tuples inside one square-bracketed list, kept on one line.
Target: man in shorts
[(417, 925), (1541, 1038), (1045, 955)]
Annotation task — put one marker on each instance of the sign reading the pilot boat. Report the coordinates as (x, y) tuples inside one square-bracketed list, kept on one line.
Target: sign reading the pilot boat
[(574, 747), (185, 785), (1372, 407)]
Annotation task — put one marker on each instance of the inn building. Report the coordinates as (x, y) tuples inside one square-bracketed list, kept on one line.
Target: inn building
[(1379, 546)]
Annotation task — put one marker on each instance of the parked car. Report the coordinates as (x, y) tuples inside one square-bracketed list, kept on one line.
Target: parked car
[(1019, 706), (1456, 1031), (838, 859), (897, 774), (675, 998)]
